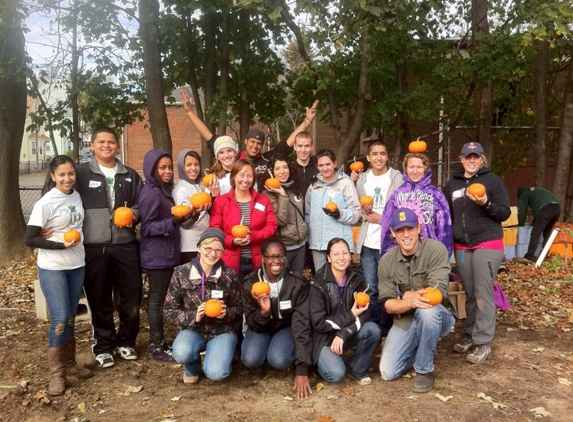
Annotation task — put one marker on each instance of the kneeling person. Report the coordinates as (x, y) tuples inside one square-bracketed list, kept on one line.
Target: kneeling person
[(403, 274)]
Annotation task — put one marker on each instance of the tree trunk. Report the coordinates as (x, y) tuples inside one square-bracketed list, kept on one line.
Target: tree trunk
[(541, 112), (148, 31), (565, 142), (13, 96), (75, 133)]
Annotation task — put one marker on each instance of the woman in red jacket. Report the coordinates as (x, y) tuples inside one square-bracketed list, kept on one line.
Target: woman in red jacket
[(243, 205)]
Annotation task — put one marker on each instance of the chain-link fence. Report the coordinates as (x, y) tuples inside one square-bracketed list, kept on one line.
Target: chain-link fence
[(29, 195)]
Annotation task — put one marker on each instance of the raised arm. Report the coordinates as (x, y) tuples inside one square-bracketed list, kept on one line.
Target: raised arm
[(309, 118), (195, 120)]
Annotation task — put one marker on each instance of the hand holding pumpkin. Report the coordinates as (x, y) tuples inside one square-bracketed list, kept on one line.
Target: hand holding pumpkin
[(358, 310)]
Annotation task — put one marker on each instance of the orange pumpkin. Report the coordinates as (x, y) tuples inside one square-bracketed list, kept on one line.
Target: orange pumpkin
[(213, 308), (180, 210), (331, 206), (417, 146), (434, 295), (476, 189), (356, 166), (240, 231), (208, 179), (362, 299), (261, 288), (273, 182), (366, 200), (72, 236), (199, 199), (123, 216)]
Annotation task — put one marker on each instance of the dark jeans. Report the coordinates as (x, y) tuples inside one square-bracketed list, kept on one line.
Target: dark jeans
[(113, 268), (369, 259), (158, 284), (542, 225)]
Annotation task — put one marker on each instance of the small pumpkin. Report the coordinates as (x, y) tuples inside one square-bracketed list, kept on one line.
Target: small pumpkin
[(434, 295), (273, 182), (366, 200), (261, 288), (200, 199), (180, 210), (72, 236), (207, 179), (476, 189), (418, 146), (213, 308), (356, 166), (123, 216), (362, 299), (238, 230), (331, 206)]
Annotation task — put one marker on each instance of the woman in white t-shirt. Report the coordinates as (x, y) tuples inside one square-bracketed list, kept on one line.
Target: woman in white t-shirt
[(61, 266)]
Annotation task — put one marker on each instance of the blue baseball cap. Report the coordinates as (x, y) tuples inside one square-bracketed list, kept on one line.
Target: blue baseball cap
[(472, 148), (403, 217)]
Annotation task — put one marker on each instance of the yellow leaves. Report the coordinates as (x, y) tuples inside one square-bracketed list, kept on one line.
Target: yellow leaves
[(319, 386), (130, 390), (487, 399)]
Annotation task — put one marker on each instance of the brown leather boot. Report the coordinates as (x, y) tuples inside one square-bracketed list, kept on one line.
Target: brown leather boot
[(73, 368), (57, 366)]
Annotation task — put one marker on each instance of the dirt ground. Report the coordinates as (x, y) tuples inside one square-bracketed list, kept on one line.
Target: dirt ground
[(530, 376)]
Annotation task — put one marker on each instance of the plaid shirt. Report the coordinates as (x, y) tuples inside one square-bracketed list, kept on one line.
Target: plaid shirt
[(187, 291)]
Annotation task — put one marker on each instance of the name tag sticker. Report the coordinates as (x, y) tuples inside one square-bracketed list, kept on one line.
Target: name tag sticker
[(128, 179), (95, 183), (260, 207), (285, 304), (216, 294)]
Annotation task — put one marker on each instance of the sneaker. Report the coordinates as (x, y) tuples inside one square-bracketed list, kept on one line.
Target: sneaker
[(464, 346), (190, 379), (161, 353), (126, 352), (524, 261), (105, 360), (423, 382), (362, 381), (480, 354), (256, 374)]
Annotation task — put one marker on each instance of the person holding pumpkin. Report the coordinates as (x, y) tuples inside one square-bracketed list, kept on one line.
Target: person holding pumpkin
[(288, 204), (189, 170), (61, 266), (478, 245), (246, 217), (418, 193), (405, 273), (276, 309), (332, 207), (109, 192), (204, 302), (338, 322)]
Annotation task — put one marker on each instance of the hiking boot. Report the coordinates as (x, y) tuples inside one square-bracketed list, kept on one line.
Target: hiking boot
[(480, 354), (190, 379), (162, 353), (464, 346), (423, 382), (105, 360), (126, 352)]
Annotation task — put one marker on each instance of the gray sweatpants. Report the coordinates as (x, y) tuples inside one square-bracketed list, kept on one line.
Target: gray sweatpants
[(478, 269)]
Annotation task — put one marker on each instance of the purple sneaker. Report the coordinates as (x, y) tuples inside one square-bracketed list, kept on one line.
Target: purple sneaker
[(161, 353)]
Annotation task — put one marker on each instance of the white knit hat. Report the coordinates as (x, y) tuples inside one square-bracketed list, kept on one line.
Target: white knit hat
[(225, 142)]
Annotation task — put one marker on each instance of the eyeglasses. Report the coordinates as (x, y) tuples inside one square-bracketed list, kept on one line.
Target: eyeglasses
[(275, 257), (209, 250)]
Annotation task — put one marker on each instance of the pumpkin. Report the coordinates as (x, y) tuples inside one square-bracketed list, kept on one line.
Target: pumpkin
[(273, 182), (238, 230), (199, 199), (417, 146), (356, 166), (213, 308), (362, 299), (123, 216), (331, 206), (72, 236), (434, 295), (366, 200), (476, 189), (261, 288), (180, 210), (208, 179)]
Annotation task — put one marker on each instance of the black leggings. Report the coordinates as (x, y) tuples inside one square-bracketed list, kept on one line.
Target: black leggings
[(158, 284)]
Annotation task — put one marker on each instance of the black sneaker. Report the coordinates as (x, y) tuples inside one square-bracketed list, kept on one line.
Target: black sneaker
[(162, 353), (464, 346), (105, 360), (480, 354), (423, 382)]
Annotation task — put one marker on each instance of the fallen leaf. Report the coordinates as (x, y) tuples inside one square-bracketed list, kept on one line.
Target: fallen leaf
[(319, 386), (540, 411), (488, 399), (443, 398), (15, 370), (82, 407), (166, 415), (348, 390), (176, 398), (564, 381), (131, 389), (39, 395), (539, 349), (413, 397), (238, 416), (287, 398), (331, 397), (323, 418)]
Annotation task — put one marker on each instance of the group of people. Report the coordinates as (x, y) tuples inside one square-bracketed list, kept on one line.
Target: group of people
[(407, 234)]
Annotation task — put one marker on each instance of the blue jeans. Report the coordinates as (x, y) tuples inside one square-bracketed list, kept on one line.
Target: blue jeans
[(331, 366), (415, 347), (277, 348), (62, 290), (217, 364), (369, 258), (319, 259)]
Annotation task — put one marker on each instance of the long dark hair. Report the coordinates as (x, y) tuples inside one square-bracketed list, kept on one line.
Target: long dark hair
[(57, 161), (293, 174)]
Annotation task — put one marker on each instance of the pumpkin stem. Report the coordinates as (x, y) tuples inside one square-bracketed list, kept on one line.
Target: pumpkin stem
[(270, 173), (366, 289), (241, 223)]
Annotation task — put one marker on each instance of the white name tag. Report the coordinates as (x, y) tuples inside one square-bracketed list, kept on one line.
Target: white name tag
[(95, 183), (260, 207), (284, 304), (216, 294)]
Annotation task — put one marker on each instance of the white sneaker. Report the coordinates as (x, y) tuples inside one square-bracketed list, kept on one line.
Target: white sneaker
[(126, 352)]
